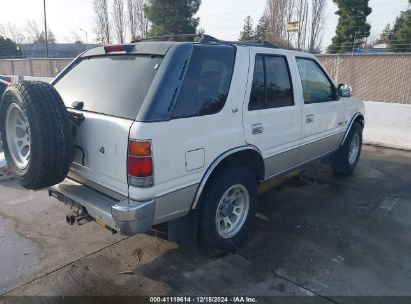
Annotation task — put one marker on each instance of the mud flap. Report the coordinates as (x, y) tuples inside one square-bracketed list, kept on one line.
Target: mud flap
[(184, 230)]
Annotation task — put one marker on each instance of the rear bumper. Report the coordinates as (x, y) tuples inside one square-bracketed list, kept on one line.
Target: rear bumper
[(134, 217), (126, 216)]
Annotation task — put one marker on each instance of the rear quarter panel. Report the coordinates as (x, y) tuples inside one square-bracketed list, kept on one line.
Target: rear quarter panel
[(172, 140)]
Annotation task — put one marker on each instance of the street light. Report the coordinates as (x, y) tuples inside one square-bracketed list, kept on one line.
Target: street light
[(85, 32)]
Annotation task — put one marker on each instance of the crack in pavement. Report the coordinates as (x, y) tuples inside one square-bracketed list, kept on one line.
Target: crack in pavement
[(303, 287), (244, 256), (63, 266)]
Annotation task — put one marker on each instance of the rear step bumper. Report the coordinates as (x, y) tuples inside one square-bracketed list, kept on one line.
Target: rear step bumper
[(128, 217)]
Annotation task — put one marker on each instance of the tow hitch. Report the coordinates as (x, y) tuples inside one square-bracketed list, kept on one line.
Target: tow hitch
[(76, 217), (78, 213)]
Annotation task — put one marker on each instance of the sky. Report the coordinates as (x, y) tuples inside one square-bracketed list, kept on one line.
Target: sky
[(222, 19)]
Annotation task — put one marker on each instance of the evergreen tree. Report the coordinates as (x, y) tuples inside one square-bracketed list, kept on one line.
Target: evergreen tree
[(247, 34), (9, 49), (173, 17), (262, 29), (399, 21), (385, 35), (352, 25), (400, 37)]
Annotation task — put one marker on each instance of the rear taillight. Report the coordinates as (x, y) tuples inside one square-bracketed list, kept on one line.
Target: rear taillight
[(115, 49), (140, 164)]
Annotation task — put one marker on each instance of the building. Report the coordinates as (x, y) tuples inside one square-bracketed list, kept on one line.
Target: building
[(56, 50)]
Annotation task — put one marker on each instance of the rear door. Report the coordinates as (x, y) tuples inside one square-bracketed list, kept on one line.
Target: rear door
[(272, 118), (109, 91), (322, 113)]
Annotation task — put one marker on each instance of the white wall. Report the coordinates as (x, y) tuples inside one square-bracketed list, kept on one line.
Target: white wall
[(388, 125)]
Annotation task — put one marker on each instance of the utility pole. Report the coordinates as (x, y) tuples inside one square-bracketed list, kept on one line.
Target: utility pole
[(45, 29)]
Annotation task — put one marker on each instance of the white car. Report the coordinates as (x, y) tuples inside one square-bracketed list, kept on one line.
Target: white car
[(178, 132)]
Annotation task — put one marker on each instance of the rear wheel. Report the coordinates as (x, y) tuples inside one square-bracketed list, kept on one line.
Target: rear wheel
[(345, 160), (227, 210)]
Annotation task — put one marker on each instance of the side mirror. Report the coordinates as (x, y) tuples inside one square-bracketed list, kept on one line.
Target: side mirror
[(345, 90)]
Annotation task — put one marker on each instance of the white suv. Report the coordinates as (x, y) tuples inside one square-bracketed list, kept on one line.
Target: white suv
[(178, 132)]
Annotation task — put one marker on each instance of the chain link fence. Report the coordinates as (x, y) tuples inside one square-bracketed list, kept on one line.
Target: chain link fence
[(375, 77)]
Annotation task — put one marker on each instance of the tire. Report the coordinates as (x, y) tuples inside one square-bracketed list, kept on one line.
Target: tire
[(345, 160), (2, 88), (218, 241), (37, 134)]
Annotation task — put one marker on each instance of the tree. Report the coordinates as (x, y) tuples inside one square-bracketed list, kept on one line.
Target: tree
[(352, 25), (302, 21), (201, 31), (262, 29), (137, 19), (248, 33), (399, 21), (385, 35), (173, 17), (74, 38), (32, 30), (12, 31), (41, 39), (102, 22), (36, 35), (118, 19), (276, 13), (9, 49), (400, 36), (316, 26)]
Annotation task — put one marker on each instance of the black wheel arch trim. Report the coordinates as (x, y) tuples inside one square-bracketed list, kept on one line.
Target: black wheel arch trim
[(353, 119)]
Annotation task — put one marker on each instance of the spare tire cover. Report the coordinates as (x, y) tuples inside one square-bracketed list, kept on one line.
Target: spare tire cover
[(38, 138)]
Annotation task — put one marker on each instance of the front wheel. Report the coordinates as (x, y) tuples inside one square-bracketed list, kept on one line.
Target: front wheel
[(345, 160), (227, 210)]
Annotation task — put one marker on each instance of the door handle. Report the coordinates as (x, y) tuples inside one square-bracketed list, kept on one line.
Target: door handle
[(257, 128), (309, 118)]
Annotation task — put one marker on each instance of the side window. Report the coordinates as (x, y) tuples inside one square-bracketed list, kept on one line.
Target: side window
[(271, 83), (316, 86), (207, 81), (257, 99)]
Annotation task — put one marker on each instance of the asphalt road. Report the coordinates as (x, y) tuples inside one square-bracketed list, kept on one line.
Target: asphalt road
[(316, 234)]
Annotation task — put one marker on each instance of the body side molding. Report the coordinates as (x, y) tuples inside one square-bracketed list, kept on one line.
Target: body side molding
[(214, 165)]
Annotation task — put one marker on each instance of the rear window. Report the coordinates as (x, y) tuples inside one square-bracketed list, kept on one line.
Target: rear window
[(114, 85), (207, 81)]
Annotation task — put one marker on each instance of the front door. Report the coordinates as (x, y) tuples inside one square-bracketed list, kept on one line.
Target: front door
[(322, 112), (272, 119)]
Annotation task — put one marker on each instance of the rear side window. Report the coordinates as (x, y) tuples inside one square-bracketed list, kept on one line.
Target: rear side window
[(271, 83), (114, 85), (207, 81)]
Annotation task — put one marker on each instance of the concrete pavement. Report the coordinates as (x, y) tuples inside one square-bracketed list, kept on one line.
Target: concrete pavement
[(316, 234)]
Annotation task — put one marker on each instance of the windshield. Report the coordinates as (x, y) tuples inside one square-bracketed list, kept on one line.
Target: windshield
[(114, 85)]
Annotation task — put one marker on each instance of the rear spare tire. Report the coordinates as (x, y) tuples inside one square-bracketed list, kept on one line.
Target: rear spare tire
[(37, 134)]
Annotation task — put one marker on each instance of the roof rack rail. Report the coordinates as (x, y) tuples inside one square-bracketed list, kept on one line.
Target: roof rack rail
[(200, 38), (203, 38), (252, 43)]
